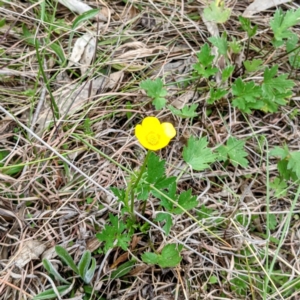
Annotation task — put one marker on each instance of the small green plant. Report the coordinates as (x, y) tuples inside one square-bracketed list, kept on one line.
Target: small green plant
[(233, 151), (288, 168), (204, 66), (246, 25), (85, 270), (185, 112), (216, 12), (113, 235), (156, 91), (169, 256), (151, 180), (281, 24)]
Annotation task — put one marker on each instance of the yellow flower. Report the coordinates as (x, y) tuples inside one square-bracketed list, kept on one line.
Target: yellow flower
[(154, 135)]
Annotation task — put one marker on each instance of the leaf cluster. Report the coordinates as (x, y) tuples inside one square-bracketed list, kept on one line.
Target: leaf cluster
[(113, 235), (164, 188), (281, 24), (85, 269), (273, 91), (267, 95), (199, 157), (204, 66)]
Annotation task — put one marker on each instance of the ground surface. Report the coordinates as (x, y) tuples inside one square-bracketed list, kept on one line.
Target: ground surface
[(241, 240)]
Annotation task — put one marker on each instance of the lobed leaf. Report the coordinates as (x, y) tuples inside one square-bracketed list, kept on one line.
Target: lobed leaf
[(197, 155)]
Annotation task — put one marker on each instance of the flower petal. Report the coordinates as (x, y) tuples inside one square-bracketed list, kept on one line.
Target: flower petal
[(150, 122), (140, 135), (164, 141), (169, 130)]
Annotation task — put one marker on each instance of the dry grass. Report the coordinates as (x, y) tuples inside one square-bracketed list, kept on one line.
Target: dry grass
[(59, 193)]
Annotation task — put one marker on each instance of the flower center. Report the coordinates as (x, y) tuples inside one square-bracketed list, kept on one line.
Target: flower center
[(152, 138)]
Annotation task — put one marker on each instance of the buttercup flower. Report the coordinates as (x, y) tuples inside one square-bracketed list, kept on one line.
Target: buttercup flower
[(154, 135)]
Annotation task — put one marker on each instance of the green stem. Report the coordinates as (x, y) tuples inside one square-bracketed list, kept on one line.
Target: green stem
[(137, 181)]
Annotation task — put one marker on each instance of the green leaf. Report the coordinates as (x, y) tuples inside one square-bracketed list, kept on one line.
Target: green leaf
[(58, 51), (84, 17), (197, 155), (50, 294), (281, 23), (119, 193), (291, 47), (213, 279), (159, 103), (274, 86), (227, 72), (186, 201), (167, 218), (283, 169), (246, 25), (143, 190), (3, 155), (205, 57), (150, 258), (51, 270), (220, 43), (280, 187), (2, 22), (252, 65), (205, 212), (155, 90), (170, 256), (246, 95), (155, 168), (276, 90), (11, 170), (84, 264), (239, 285), (30, 38), (90, 272), (216, 94), (294, 163), (246, 91), (204, 66), (234, 150), (272, 222), (280, 152), (185, 112), (216, 12), (66, 258), (122, 270), (235, 46), (168, 187), (114, 235)]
